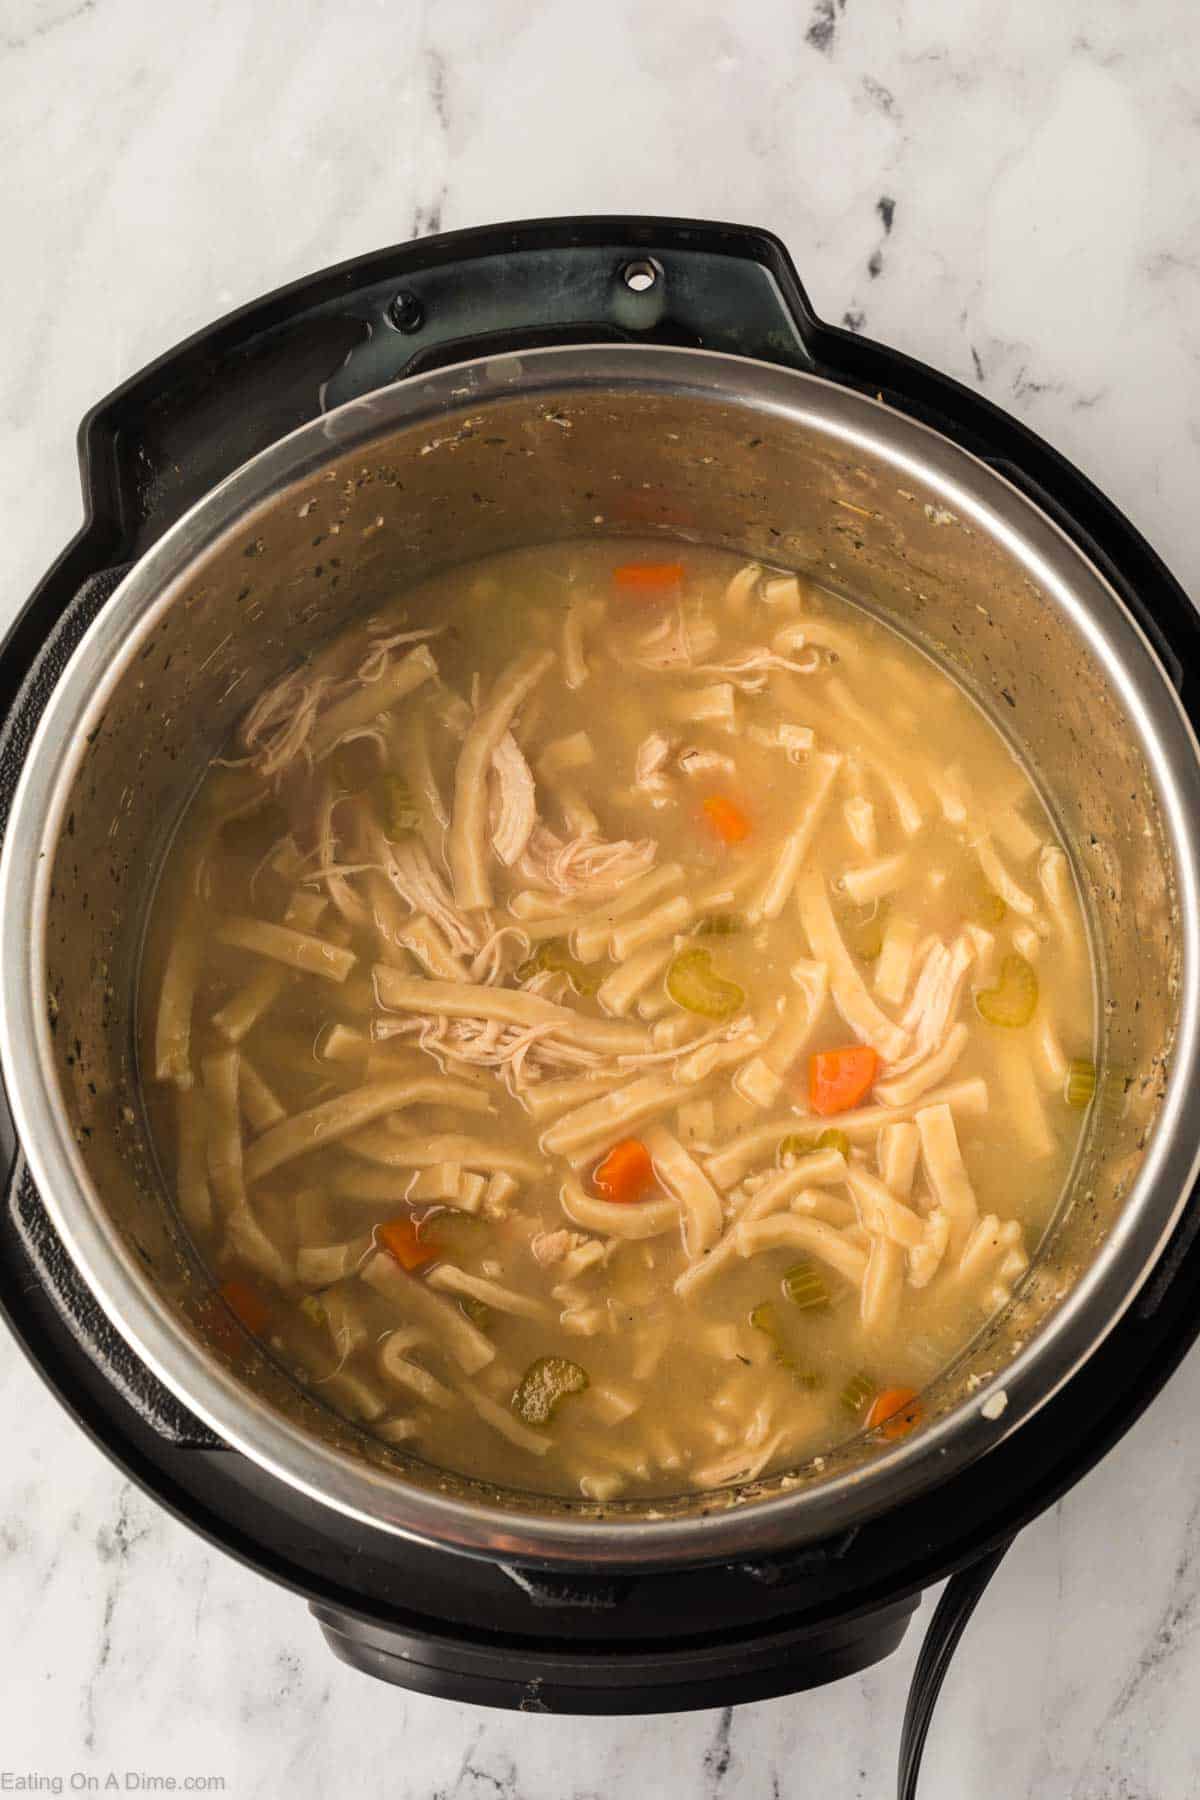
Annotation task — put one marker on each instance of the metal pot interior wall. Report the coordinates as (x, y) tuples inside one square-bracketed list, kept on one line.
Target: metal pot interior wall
[(516, 468)]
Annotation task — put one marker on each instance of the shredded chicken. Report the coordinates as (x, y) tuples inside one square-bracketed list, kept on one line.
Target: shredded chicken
[(581, 867), (549, 1247), (748, 669), (935, 1001), (276, 728), (376, 661), (514, 803), (407, 866), (465, 848), (653, 752), (676, 641)]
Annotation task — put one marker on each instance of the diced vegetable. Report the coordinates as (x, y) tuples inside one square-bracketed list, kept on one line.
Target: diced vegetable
[(448, 1232), (544, 1386), (796, 1144), (857, 1394), (804, 1285), (721, 925), (479, 1314), (651, 579), (399, 1238), (555, 957), (986, 907), (626, 1173), (896, 1411), (726, 818), (694, 984), (1081, 1083), (396, 809), (312, 1309), (764, 1318), (248, 1304), (1014, 1001), (838, 1079), (862, 927)]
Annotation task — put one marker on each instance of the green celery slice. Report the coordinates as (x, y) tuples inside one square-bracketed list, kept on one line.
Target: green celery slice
[(544, 1386), (1013, 1001), (1081, 1083), (694, 984), (804, 1286), (857, 1394)]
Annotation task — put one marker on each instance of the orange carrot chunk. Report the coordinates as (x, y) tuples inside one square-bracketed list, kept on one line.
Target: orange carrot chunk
[(399, 1238), (838, 1079), (626, 1172), (726, 818), (247, 1304), (897, 1410), (647, 578)]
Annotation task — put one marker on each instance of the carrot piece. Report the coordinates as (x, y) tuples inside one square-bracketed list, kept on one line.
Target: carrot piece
[(838, 1079), (247, 1304), (897, 1410), (647, 578), (626, 1172), (726, 818), (399, 1238)]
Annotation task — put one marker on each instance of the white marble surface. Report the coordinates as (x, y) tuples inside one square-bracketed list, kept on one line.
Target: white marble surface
[(160, 163)]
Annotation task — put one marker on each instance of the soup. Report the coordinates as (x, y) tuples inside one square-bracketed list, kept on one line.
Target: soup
[(618, 1023)]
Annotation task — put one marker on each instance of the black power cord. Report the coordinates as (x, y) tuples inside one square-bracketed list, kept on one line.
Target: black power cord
[(960, 1597)]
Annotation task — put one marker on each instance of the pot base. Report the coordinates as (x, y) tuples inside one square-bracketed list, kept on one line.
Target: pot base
[(670, 1676)]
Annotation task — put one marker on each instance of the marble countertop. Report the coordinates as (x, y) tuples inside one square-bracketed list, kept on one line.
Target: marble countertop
[(1005, 192)]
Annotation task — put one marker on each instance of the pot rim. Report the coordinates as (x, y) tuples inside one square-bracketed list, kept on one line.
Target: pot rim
[(384, 1499)]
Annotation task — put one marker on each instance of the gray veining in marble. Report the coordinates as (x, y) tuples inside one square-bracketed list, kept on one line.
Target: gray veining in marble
[(1007, 191)]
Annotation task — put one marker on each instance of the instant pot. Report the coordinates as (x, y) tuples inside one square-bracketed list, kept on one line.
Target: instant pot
[(301, 461)]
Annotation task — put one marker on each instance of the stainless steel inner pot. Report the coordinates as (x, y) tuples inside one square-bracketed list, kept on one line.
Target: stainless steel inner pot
[(509, 450)]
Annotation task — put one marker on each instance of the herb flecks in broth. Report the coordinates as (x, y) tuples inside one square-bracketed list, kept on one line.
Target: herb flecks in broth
[(604, 1038)]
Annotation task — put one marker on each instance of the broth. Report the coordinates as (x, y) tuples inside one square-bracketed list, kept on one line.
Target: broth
[(616, 1025)]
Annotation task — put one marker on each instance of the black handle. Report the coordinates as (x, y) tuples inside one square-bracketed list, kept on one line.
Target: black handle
[(155, 445), (164, 438)]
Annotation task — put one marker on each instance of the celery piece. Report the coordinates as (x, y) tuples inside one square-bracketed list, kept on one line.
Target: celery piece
[(857, 1394), (721, 925), (554, 957), (863, 928), (452, 1233), (795, 1144), (694, 984), (544, 1386), (986, 907), (1081, 1083), (764, 1318), (804, 1285), (1014, 1000), (396, 809)]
